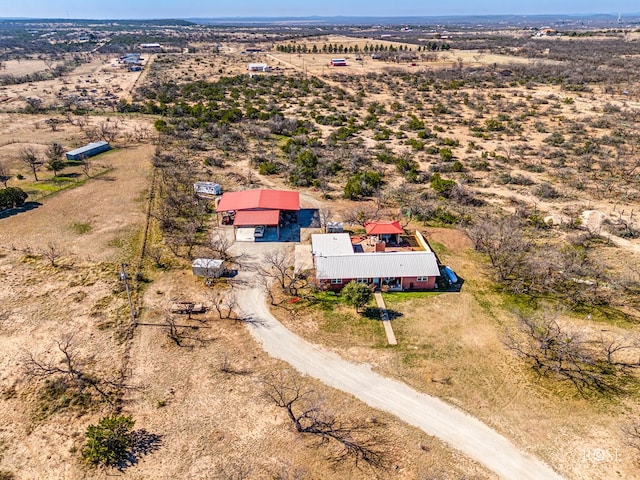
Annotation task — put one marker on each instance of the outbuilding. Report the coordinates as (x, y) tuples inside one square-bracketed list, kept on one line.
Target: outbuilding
[(207, 267), (88, 150), (388, 232), (338, 62), (207, 188), (258, 67), (251, 208)]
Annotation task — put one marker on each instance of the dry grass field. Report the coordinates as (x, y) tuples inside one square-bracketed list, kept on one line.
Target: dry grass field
[(201, 403)]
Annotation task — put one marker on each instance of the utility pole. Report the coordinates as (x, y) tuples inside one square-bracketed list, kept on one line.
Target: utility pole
[(125, 279)]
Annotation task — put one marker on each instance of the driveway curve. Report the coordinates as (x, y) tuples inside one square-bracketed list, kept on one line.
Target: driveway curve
[(456, 428)]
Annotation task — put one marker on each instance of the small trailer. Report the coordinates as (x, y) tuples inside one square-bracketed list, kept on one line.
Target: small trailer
[(187, 308)]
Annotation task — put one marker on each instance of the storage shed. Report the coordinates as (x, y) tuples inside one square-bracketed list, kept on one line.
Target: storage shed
[(88, 150), (207, 267)]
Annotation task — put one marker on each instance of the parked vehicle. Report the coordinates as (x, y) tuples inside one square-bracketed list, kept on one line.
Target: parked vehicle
[(259, 231)]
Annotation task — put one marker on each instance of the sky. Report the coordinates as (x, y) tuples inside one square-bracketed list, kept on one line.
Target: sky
[(100, 9)]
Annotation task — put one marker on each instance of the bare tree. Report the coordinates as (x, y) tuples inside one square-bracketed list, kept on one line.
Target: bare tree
[(71, 369), (226, 306), (631, 432), (108, 131), (502, 240), (85, 165), (30, 158), (326, 215), (4, 173), (363, 214), (309, 416), (591, 365), (53, 253)]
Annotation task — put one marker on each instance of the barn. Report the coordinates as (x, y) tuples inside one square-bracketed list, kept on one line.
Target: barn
[(254, 208), (88, 150)]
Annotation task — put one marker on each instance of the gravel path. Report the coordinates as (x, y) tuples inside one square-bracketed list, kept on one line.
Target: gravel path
[(430, 414)]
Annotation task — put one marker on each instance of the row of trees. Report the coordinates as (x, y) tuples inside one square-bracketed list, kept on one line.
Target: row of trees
[(335, 48)]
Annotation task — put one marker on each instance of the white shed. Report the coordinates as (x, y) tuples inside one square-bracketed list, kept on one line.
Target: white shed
[(207, 267)]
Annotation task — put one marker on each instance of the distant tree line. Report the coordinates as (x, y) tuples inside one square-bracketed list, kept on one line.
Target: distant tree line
[(335, 48)]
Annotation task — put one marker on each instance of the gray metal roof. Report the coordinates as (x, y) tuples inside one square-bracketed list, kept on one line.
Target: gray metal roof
[(331, 244), (87, 148), (377, 265), (211, 263)]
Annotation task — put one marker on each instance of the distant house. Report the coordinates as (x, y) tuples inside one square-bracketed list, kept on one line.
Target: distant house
[(88, 150), (150, 45), (338, 62), (253, 50), (337, 264), (258, 67)]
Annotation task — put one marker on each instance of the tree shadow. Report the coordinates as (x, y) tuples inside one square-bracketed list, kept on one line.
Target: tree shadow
[(142, 443), (15, 211), (375, 313)]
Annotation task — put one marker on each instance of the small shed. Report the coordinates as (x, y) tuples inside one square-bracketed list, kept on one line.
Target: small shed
[(207, 188), (258, 67), (88, 150), (335, 227), (207, 267)]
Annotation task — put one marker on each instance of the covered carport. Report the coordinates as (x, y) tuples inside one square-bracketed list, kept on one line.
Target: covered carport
[(271, 208), (247, 220)]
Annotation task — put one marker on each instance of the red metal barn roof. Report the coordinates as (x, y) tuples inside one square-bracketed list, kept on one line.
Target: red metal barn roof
[(256, 217), (259, 200), (383, 228)]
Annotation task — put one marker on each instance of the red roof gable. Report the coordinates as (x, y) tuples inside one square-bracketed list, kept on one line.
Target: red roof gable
[(256, 217), (259, 200), (382, 228)]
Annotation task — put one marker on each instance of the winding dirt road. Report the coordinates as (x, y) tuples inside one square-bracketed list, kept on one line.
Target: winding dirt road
[(433, 416)]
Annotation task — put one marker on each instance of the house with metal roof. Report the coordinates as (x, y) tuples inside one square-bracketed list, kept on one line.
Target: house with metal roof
[(337, 264)]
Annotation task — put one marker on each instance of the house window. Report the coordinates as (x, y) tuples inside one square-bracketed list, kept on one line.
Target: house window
[(336, 281), (362, 280), (422, 279)]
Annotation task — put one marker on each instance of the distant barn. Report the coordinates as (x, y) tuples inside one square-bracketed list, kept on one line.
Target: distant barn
[(88, 150)]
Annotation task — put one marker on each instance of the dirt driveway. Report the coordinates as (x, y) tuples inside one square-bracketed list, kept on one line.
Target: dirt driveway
[(433, 416)]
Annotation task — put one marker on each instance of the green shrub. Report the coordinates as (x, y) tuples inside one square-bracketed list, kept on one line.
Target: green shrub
[(109, 442)]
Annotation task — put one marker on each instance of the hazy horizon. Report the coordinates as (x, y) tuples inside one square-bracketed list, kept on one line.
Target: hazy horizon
[(163, 9)]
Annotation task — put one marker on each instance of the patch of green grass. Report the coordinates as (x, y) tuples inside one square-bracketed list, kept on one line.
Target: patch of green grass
[(439, 248), (326, 301), (398, 298), (81, 227), (348, 323), (606, 314)]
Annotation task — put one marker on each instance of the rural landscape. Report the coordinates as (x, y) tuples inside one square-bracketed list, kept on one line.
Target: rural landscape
[(324, 249)]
